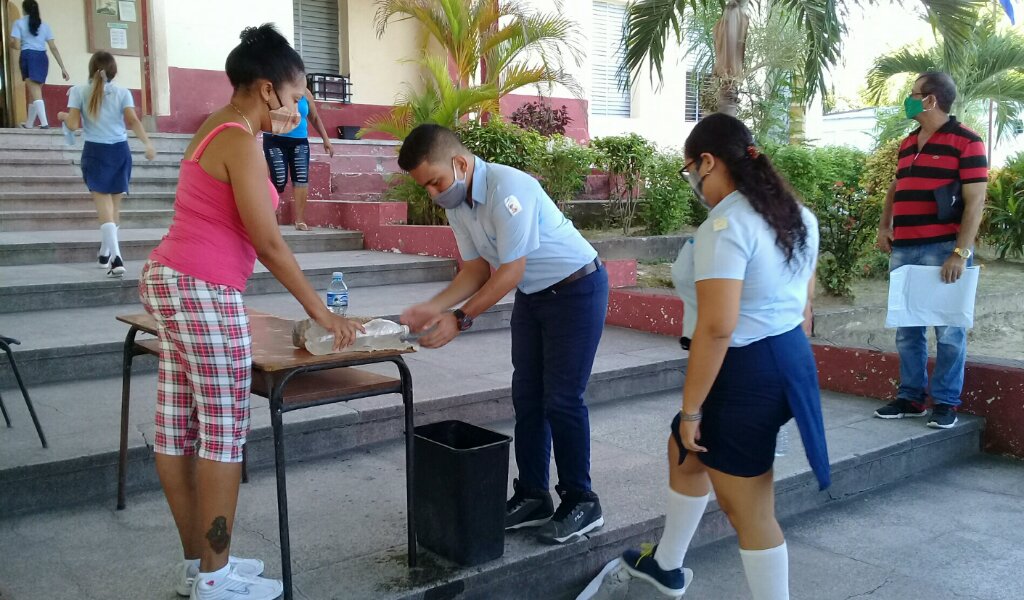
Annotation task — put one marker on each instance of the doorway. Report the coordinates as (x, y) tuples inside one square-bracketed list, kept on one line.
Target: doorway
[(12, 89)]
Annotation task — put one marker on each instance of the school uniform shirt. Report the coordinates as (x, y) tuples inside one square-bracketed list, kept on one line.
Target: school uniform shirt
[(108, 127), (512, 217), (21, 31), (735, 242)]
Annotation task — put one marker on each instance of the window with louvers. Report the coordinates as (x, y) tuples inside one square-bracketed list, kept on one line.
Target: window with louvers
[(692, 110), (316, 35), (607, 53)]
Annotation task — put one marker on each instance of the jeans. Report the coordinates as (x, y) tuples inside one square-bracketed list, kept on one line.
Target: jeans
[(912, 342), (554, 339)]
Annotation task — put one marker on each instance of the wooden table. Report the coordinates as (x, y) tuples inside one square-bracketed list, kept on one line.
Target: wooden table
[(291, 379)]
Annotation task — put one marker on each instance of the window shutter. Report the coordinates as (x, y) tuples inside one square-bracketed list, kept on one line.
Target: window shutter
[(316, 35), (608, 61)]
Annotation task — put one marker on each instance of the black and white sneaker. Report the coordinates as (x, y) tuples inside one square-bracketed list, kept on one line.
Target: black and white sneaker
[(901, 408), (577, 515), (527, 508), (103, 260), (116, 267), (943, 416)]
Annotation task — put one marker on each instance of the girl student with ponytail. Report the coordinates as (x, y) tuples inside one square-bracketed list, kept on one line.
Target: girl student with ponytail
[(30, 36), (192, 284), (102, 109), (746, 281)]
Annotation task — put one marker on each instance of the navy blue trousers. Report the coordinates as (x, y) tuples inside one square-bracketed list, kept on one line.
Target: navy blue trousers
[(554, 339)]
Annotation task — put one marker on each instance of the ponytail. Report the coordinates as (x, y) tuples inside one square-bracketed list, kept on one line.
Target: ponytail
[(729, 140), (99, 83), (102, 69), (31, 8)]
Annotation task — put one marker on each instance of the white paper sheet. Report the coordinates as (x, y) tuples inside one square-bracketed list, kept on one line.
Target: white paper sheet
[(919, 298)]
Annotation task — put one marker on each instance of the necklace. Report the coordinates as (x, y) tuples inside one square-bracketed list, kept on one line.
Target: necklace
[(247, 123)]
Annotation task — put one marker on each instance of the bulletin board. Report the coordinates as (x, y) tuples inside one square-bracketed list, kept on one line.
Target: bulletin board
[(115, 26)]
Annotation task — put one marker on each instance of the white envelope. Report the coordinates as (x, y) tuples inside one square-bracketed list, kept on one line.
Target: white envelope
[(919, 298)]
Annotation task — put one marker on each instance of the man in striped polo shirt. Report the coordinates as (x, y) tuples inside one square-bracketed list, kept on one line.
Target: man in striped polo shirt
[(931, 217)]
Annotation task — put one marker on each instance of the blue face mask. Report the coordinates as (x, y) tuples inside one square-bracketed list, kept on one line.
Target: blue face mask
[(455, 195)]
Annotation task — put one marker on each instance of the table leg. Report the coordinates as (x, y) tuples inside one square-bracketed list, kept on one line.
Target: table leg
[(410, 444), (277, 424), (126, 392), (245, 463)]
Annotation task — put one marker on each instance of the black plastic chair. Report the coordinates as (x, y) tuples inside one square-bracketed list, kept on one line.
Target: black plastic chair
[(5, 344)]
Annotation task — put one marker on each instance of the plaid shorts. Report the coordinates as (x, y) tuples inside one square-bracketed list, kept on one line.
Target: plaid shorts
[(205, 364)]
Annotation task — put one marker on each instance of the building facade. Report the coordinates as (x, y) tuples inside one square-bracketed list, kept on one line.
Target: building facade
[(178, 75)]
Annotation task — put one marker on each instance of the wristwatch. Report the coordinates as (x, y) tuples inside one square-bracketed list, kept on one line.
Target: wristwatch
[(963, 253), (463, 320)]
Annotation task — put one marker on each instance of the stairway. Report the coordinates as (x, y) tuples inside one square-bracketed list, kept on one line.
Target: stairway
[(62, 307)]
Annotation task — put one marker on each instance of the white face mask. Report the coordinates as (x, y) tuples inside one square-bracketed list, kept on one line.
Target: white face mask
[(697, 184), (283, 119)]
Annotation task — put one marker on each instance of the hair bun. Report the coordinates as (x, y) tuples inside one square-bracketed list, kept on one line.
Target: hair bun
[(265, 34)]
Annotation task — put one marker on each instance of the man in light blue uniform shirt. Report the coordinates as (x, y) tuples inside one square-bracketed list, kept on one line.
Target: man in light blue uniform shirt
[(504, 220)]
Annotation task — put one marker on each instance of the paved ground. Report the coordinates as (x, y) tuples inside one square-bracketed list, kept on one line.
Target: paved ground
[(953, 534), (348, 522)]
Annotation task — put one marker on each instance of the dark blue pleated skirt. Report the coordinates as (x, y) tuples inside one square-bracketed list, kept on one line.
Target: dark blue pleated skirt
[(34, 65), (759, 388), (107, 168)]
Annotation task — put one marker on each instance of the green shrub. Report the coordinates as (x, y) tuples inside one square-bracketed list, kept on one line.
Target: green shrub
[(422, 210), (625, 158), (1004, 221), (564, 168), (829, 182), (499, 142), (667, 195), (880, 170)]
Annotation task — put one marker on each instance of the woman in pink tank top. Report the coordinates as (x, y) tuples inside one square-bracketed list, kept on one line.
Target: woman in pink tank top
[(192, 284)]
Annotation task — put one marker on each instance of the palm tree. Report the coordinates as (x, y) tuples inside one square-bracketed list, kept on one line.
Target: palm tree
[(989, 69), (491, 49), (650, 23)]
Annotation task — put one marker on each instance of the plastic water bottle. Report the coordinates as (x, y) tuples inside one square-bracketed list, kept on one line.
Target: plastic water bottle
[(337, 294), (782, 442), (381, 334)]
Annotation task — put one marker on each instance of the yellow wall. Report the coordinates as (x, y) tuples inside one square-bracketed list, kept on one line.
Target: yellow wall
[(201, 33), (375, 64)]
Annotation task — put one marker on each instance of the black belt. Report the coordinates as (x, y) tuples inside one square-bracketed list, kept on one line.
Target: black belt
[(582, 272)]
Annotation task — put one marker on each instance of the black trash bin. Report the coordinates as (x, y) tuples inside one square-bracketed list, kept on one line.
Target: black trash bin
[(461, 480)]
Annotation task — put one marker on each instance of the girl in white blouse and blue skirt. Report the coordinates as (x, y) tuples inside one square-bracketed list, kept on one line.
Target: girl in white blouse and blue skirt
[(746, 281), (103, 110)]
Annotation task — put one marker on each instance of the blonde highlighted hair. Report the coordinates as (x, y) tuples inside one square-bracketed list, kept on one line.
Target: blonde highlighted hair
[(102, 69)]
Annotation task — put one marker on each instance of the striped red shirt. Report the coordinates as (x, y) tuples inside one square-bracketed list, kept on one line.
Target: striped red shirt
[(951, 153)]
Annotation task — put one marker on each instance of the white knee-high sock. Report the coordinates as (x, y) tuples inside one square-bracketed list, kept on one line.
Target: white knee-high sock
[(41, 113), (682, 515), (30, 121), (109, 232), (767, 572)]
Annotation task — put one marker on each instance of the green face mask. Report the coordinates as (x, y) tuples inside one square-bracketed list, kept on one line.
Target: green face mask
[(913, 106)]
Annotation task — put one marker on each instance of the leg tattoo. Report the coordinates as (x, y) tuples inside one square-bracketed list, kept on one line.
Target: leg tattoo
[(218, 535)]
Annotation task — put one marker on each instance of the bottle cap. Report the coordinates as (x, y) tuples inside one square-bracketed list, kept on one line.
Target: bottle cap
[(337, 275)]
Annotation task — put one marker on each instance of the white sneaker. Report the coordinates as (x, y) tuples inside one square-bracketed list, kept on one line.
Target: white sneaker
[(237, 587), (246, 567)]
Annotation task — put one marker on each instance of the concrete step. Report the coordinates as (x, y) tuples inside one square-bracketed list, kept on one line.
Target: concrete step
[(54, 139), (85, 343), (78, 285), (44, 220), (347, 518), (469, 379), (63, 184), (75, 153), (81, 245), (70, 166), (77, 199)]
